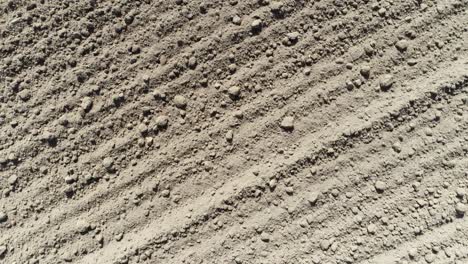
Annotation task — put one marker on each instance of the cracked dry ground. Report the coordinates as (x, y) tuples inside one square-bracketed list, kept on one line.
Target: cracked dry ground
[(240, 131)]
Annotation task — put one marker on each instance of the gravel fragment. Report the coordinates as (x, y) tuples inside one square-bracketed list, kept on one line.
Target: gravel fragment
[(287, 123), (236, 20), (365, 71), (192, 63), (265, 237), (107, 163), (165, 193), (256, 25), (312, 198), (3, 217), (386, 82), (13, 179), (162, 121), (3, 250), (86, 104), (234, 92), (180, 101), (371, 229), (229, 136), (402, 45), (460, 209)]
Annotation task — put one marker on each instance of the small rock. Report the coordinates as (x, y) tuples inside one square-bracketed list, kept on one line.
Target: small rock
[(265, 237), (162, 121), (460, 209), (70, 179), (371, 229), (272, 184), (289, 190), (287, 123), (118, 99), (312, 198), (396, 147), (236, 20), (159, 95), (256, 25), (325, 245), (119, 237), (380, 186), (165, 193), (413, 253), (83, 227), (430, 258), (107, 163), (460, 192), (143, 129), (192, 63), (293, 37), (180, 101), (87, 104), (229, 136), (276, 8), (386, 82), (365, 71), (3, 217), (234, 92), (3, 250), (13, 179), (402, 45)]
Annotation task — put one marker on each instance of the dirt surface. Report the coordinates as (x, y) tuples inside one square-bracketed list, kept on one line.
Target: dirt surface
[(240, 131)]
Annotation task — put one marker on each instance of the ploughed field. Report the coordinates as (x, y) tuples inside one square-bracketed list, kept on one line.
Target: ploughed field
[(233, 131)]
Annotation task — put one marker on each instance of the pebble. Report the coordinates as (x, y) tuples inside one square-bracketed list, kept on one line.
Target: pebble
[(365, 71), (3, 217), (325, 245), (291, 38), (13, 179), (180, 101), (312, 198), (380, 186), (256, 25), (3, 250), (396, 147), (143, 129), (402, 45), (272, 184), (236, 20), (430, 258), (371, 229), (229, 136), (162, 121), (192, 63), (287, 123), (386, 82), (83, 227), (460, 209), (159, 95), (87, 104), (119, 236), (70, 179), (107, 163), (165, 193), (289, 190), (412, 253), (276, 7), (460, 192), (234, 92), (265, 237)]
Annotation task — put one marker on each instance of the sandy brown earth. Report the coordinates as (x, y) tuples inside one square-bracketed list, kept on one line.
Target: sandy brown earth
[(233, 131)]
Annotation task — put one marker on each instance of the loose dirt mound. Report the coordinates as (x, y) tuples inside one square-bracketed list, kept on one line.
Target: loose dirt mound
[(252, 131)]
